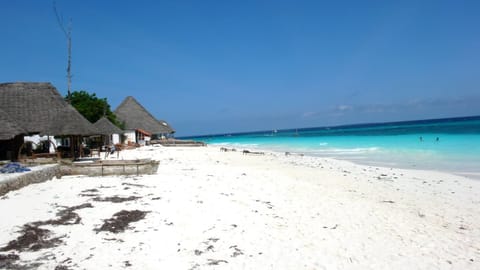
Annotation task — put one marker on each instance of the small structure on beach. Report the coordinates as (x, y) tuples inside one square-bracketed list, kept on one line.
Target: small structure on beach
[(140, 125), (109, 133), (10, 136), (38, 108)]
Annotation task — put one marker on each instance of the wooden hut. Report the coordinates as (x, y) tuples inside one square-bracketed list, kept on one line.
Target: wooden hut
[(140, 125), (38, 108)]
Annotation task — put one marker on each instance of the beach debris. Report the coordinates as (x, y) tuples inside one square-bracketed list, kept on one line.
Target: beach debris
[(66, 216), (87, 195), (387, 201), (216, 262), (224, 149), (236, 252), (7, 261), (14, 167), (116, 199), (248, 152), (292, 154), (208, 246), (89, 190), (113, 239), (133, 185), (213, 239), (32, 238), (61, 267), (195, 266), (121, 221), (268, 204)]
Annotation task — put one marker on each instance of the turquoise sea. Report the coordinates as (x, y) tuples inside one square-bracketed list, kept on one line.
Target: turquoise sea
[(451, 144)]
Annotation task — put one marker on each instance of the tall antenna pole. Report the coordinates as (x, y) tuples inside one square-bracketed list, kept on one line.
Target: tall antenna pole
[(68, 35)]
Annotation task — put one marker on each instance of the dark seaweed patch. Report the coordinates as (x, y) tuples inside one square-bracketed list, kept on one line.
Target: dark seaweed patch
[(66, 216), (116, 199), (32, 239), (121, 220)]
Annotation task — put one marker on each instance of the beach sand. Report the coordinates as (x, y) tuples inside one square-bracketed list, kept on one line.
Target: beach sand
[(207, 209)]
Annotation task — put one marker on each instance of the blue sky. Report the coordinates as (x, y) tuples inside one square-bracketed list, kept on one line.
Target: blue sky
[(227, 66)]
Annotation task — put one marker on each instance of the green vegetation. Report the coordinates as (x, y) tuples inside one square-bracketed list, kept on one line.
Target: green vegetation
[(92, 107)]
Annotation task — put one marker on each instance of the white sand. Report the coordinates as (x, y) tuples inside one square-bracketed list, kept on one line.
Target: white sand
[(239, 211)]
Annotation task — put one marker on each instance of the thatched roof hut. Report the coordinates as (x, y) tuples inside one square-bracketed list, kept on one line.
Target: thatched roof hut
[(9, 129), (136, 117), (38, 108), (167, 127), (105, 127)]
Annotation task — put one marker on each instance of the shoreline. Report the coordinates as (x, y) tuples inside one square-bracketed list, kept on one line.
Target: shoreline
[(206, 208), (366, 160)]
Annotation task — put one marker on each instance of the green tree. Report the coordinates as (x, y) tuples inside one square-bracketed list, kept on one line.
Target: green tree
[(92, 107)]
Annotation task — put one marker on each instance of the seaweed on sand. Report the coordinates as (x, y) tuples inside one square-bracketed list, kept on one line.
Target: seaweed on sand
[(32, 239), (116, 199), (66, 216), (121, 220), (7, 261)]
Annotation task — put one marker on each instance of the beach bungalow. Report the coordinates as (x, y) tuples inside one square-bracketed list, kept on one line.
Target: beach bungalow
[(108, 131), (38, 108), (140, 125), (11, 135)]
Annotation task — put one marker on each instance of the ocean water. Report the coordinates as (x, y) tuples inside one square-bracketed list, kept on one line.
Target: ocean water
[(444, 144)]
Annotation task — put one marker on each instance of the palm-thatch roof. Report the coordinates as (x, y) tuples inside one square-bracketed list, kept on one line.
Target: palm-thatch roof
[(39, 108), (9, 128), (135, 116), (166, 126), (105, 127)]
